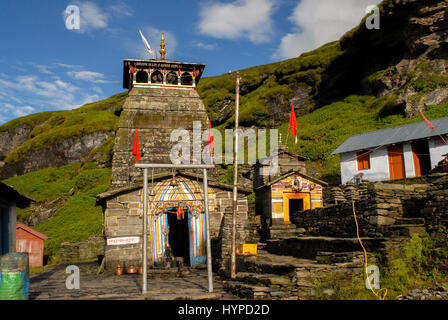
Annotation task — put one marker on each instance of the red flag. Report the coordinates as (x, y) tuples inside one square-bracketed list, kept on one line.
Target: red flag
[(136, 148), (427, 121), (211, 140), (293, 123), (132, 69)]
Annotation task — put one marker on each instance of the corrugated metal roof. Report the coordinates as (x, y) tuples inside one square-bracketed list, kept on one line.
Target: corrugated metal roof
[(413, 131)]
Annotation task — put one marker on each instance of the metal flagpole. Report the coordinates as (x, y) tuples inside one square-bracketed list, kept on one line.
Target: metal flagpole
[(145, 230), (235, 181), (207, 230)]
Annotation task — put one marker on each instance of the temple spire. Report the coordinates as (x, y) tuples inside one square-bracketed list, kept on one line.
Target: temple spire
[(162, 47)]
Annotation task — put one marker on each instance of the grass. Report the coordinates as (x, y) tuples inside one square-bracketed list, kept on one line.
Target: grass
[(264, 84), (79, 217), (414, 267), (53, 127)]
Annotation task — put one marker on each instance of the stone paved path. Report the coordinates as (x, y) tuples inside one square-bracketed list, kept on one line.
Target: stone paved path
[(162, 285)]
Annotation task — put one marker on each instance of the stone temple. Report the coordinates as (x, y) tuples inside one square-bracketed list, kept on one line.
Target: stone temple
[(162, 98)]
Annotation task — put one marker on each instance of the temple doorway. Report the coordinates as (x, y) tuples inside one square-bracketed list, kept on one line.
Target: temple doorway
[(295, 205), (178, 234)]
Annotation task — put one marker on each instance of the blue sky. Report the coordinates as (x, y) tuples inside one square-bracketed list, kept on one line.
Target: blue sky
[(45, 66)]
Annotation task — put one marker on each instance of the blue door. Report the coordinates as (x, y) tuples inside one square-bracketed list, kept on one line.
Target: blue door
[(4, 228)]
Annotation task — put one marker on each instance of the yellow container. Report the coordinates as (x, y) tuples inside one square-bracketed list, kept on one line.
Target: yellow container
[(248, 248)]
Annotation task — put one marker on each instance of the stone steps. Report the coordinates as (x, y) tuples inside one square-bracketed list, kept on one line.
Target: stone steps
[(356, 257), (407, 221), (404, 230), (248, 291), (258, 290), (309, 247), (283, 234), (269, 263), (265, 279)]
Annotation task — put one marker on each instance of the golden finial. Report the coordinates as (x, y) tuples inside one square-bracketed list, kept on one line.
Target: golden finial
[(162, 47)]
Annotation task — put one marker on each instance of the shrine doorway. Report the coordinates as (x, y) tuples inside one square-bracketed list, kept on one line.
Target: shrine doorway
[(178, 234)]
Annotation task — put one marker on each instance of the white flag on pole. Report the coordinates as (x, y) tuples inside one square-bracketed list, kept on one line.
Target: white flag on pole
[(148, 47)]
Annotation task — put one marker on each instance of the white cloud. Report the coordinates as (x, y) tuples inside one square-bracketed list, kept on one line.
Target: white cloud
[(122, 9), (88, 76), (319, 22), (249, 19), (23, 111), (206, 46), (41, 93), (92, 17)]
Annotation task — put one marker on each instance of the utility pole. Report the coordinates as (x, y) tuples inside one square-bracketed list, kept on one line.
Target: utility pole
[(235, 180)]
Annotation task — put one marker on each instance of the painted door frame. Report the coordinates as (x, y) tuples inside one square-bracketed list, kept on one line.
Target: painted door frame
[(305, 196), (195, 236)]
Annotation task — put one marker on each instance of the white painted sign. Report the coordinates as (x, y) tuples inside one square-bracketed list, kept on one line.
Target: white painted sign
[(122, 241)]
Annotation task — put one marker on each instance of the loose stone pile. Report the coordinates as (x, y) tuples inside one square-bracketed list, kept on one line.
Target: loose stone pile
[(438, 292)]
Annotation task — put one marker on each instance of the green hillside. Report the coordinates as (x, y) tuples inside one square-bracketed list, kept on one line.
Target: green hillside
[(55, 126), (78, 217)]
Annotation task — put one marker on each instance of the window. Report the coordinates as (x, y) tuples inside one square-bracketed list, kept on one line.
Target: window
[(363, 158)]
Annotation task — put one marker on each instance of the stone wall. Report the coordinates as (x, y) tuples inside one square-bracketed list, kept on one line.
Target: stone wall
[(378, 206), (82, 251), (436, 209), (155, 112), (222, 255)]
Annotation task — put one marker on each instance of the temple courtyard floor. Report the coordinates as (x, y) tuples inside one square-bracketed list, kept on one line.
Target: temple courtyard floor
[(190, 284)]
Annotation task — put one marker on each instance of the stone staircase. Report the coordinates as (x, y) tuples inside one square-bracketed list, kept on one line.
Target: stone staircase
[(289, 261), (282, 231), (405, 227), (284, 268)]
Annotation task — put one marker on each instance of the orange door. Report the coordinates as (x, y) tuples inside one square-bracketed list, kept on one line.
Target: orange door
[(422, 160), (396, 162)]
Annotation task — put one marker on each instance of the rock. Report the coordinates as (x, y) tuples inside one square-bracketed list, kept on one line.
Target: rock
[(329, 292)]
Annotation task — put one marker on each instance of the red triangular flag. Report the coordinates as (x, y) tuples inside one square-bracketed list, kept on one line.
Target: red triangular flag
[(136, 148), (427, 121), (211, 139), (293, 123)]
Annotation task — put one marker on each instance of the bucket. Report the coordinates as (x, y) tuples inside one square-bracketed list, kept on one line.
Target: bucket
[(14, 276)]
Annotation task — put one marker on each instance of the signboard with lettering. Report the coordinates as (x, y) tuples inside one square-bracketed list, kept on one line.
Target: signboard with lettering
[(122, 241)]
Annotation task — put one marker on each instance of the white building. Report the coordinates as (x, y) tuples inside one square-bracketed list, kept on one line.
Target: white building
[(406, 151)]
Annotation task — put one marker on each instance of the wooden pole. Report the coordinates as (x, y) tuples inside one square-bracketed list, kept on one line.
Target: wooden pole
[(235, 181)]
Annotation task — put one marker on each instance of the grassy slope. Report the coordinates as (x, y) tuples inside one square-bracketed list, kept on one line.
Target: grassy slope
[(52, 127), (79, 218), (265, 83)]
